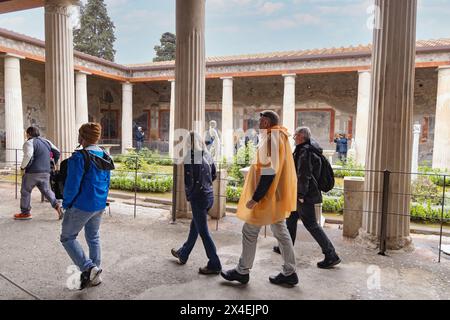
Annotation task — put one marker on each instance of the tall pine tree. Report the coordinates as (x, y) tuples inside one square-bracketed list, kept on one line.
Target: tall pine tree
[(96, 33), (166, 51)]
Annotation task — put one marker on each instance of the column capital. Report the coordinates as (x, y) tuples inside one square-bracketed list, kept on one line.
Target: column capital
[(59, 6), (287, 75), (171, 80), (13, 55), (364, 71), (226, 78)]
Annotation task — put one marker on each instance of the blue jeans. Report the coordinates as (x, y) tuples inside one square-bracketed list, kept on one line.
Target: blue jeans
[(199, 225), (74, 221)]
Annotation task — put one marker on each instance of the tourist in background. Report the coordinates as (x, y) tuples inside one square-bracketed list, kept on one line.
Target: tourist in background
[(139, 137), (341, 147)]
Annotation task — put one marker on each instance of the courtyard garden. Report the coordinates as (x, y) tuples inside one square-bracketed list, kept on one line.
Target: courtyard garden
[(152, 173)]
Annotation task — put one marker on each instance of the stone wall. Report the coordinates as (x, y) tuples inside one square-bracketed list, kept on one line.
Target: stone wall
[(151, 101)]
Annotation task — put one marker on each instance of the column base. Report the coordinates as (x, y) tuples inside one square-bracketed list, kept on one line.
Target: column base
[(371, 241), (182, 214)]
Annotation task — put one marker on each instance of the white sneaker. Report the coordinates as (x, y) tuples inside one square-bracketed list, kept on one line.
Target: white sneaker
[(94, 276)]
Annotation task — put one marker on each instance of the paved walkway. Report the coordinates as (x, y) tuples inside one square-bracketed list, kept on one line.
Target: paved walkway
[(137, 262)]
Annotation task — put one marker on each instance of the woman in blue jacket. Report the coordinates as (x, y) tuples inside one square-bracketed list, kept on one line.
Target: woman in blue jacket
[(199, 174), (85, 192)]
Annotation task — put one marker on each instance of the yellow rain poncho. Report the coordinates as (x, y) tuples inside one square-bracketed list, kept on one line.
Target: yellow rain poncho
[(281, 199)]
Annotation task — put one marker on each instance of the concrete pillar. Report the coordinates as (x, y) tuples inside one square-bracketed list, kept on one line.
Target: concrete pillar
[(227, 118), (171, 116), (362, 117), (415, 152), (289, 103), (127, 116), (390, 121), (81, 99), (59, 76), (353, 205), (14, 125), (190, 81), (441, 149)]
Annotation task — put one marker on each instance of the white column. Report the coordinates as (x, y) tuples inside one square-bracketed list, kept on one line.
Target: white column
[(390, 121), (190, 80), (227, 117), (127, 116), (441, 149), (81, 100), (289, 103), (14, 125), (171, 117), (59, 76), (362, 116), (415, 152)]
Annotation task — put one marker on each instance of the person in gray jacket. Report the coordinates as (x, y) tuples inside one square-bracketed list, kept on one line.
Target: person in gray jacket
[(37, 152)]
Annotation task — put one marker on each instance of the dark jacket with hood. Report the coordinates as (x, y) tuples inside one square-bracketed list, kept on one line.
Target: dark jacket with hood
[(308, 166), (199, 174)]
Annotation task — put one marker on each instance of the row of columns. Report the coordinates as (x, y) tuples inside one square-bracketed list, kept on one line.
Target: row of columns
[(14, 133)]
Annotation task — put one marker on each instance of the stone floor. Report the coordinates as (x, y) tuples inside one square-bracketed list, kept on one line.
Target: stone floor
[(137, 262)]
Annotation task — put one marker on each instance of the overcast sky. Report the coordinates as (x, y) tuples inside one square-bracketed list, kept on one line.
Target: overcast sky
[(245, 26)]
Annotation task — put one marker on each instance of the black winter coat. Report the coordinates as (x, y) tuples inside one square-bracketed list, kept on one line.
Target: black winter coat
[(308, 166)]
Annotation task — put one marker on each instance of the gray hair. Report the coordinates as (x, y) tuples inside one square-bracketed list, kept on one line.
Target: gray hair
[(305, 132)]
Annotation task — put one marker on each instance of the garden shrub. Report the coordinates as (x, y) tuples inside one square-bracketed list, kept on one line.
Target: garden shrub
[(423, 190), (233, 193), (349, 169), (333, 204)]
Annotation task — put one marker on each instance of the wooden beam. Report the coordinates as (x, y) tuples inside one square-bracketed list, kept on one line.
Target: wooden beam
[(17, 5)]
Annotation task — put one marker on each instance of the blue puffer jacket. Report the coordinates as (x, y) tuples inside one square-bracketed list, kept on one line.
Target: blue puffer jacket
[(88, 193)]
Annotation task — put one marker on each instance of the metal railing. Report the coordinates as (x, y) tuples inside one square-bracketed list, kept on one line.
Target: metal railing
[(385, 178)]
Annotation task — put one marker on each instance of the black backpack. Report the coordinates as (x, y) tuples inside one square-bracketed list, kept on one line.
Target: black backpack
[(58, 177), (326, 180)]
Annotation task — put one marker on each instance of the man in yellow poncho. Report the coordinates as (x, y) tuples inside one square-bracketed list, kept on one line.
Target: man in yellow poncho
[(268, 197)]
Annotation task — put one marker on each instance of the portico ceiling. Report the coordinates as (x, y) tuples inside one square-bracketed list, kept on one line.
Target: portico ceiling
[(17, 5)]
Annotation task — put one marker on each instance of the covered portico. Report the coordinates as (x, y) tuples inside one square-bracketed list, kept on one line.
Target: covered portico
[(292, 78)]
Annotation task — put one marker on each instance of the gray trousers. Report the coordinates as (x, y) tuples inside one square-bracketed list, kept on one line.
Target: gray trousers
[(250, 236), (31, 180)]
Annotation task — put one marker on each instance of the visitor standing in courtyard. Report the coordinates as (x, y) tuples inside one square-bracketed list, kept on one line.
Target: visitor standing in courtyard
[(37, 153), (199, 174), (268, 197), (341, 147), (308, 165), (139, 137), (85, 193)]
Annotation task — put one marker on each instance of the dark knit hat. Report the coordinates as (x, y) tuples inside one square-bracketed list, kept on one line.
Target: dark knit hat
[(90, 132)]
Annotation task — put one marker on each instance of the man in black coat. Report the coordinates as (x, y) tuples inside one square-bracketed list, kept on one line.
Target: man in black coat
[(308, 166)]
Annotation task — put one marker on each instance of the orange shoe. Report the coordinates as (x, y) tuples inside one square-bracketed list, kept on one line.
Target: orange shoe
[(22, 216)]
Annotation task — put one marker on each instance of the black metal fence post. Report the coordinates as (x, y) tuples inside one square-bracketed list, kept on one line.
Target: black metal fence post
[(442, 219), (135, 185), (174, 192), (384, 211), (16, 175)]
